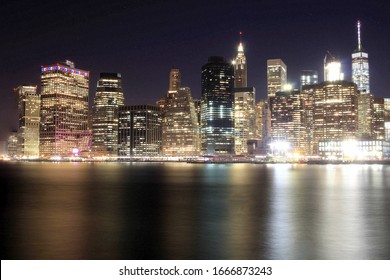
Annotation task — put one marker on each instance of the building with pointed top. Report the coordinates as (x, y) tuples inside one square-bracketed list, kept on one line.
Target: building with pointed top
[(360, 68), (240, 67)]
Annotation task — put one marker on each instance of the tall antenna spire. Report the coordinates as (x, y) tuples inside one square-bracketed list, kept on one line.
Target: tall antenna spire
[(240, 46), (359, 40)]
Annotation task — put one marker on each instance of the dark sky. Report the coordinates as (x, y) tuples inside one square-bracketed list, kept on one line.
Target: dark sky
[(142, 39)]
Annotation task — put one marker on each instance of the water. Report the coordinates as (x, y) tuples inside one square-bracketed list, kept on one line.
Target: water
[(194, 211)]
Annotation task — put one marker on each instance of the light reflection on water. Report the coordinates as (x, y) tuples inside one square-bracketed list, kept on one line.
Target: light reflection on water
[(194, 211)]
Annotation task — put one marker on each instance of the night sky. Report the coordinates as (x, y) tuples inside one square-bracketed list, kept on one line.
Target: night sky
[(142, 40)]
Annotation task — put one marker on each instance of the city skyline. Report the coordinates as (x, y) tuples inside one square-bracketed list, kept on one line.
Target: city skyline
[(148, 43)]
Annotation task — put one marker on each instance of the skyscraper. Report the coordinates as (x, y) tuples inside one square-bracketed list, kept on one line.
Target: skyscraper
[(309, 77), (276, 76), (332, 69), (64, 110), (360, 68), (240, 67), (288, 120), (334, 108), (140, 130), (174, 79), (217, 116), (378, 119), (244, 118), (29, 103), (180, 129), (108, 99)]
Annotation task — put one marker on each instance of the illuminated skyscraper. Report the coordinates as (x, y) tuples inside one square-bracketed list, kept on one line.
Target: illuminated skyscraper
[(140, 130), (109, 96), (288, 121), (217, 106), (64, 110), (174, 79), (180, 129), (309, 77), (244, 118), (29, 103), (387, 118), (240, 67), (378, 119), (276, 76), (360, 68), (335, 106), (365, 111), (332, 69)]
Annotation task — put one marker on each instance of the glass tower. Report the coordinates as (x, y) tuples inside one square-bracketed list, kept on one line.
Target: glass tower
[(29, 118), (217, 107), (360, 68), (109, 96), (64, 110)]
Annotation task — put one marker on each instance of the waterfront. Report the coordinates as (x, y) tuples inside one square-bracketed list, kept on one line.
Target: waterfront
[(76, 210)]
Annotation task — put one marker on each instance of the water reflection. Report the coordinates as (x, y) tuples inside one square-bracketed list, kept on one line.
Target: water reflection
[(194, 211)]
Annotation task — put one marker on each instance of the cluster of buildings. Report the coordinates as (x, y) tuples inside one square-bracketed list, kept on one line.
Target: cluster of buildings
[(333, 119)]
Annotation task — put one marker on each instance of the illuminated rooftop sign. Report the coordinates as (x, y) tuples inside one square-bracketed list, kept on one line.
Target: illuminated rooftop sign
[(64, 69)]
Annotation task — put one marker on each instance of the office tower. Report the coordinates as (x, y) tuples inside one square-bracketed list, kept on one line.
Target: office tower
[(365, 110), (360, 68), (108, 99), (244, 118), (198, 110), (332, 69), (174, 79), (140, 131), (259, 119), (180, 129), (387, 118), (29, 103), (217, 116), (276, 76), (240, 67), (334, 111), (378, 119), (64, 110), (309, 77), (288, 126), (12, 145)]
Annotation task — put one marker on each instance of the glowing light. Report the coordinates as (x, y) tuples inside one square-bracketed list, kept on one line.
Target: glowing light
[(333, 71), (287, 87)]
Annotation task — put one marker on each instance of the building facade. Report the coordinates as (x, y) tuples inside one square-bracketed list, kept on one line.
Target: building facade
[(244, 118), (180, 128), (378, 119), (109, 97), (29, 103), (276, 76), (335, 115), (308, 77), (140, 131), (217, 107), (64, 110)]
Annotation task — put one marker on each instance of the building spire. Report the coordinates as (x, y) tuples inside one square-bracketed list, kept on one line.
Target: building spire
[(240, 46), (359, 48)]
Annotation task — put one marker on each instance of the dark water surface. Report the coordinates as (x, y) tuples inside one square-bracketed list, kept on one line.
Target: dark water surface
[(194, 211)]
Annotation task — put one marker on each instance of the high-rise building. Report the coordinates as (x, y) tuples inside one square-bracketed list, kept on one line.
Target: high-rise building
[(12, 145), (276, 76), (332, 69), (387, 118), (244, 118), (174, 79), (365, 110), (108, 99), (140, 132), (29, 103), (180, 129), (360, 68), (288, 121), (64, 110), (378, 119), (335, 116), (240, 67), (217, 106), (309, 77)]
